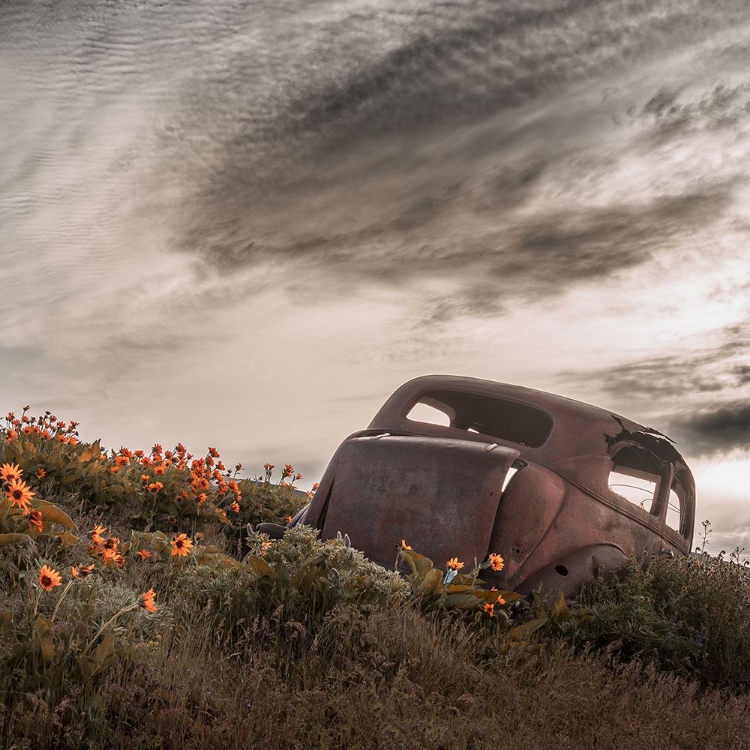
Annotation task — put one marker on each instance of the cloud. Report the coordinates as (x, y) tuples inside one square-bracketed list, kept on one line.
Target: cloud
[(718, 430), (720, 108), (694, 395)]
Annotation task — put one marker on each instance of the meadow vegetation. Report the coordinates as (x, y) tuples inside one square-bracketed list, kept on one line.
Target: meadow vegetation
[(140, 610)]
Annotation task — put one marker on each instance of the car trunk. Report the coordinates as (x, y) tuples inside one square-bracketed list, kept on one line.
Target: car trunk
[(440, 495)]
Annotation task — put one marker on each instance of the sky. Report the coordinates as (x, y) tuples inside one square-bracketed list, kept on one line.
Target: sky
[(245, 224)]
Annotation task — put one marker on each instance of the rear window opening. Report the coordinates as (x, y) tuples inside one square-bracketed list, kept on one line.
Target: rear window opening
[(427, 414), (498, 418)]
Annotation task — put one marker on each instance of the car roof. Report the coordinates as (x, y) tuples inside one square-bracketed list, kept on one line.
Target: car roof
[(579, 429)]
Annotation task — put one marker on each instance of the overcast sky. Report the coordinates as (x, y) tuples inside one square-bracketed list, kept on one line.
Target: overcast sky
[(246, 223)]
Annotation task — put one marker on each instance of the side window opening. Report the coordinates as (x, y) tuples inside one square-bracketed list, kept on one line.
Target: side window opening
[(635, 475), (637, 490)]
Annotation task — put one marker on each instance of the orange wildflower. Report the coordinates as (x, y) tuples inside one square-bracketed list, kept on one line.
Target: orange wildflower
[(315, 486), (111, 543), (202, 498), (114, 469), (489, 609), (144, 554), (35, 519), (146, 461), (288, 519), (496, 562), (12, 435), (265, 546), (61, 438), (147, 601), (49, 578), (454, 564), (155, 486), (73, 440), (235, 507), (160, 469), (96, 534), (156, 448), (81, 572), (19, 494), (145, 477), (288, 470), (41, 473), (8, 472), (181, 546), (122, 460), (500, 601)]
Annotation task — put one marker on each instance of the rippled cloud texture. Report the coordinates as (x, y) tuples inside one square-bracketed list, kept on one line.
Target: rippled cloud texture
[(247, 223)]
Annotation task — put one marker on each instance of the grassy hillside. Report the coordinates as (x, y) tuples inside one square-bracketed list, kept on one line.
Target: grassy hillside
[(139, 611)]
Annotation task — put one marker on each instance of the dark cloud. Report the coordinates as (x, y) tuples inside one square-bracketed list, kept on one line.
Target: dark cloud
[(718, 430), (383, 147), (692, 395), (380, 142), (722, 107), (598, 242)]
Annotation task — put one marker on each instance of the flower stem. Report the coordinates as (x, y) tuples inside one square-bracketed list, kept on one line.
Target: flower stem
[(107, 624)]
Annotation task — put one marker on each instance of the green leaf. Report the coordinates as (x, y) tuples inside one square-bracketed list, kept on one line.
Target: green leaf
[(433, 579), (52, 514), (526, 630), (420, 564), (260, 566), (559, 608), (104, 653), (462, 601), (13, 539)]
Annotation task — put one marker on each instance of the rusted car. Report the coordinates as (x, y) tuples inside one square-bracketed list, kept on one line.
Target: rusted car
[(460, 467)]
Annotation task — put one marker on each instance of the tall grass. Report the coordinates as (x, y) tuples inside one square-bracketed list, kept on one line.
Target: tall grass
[(127, 624)]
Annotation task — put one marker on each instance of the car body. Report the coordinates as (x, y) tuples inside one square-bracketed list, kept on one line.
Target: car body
[(557, 487)]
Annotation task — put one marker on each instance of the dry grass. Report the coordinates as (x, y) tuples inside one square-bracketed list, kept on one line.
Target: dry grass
[(377, 679)]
